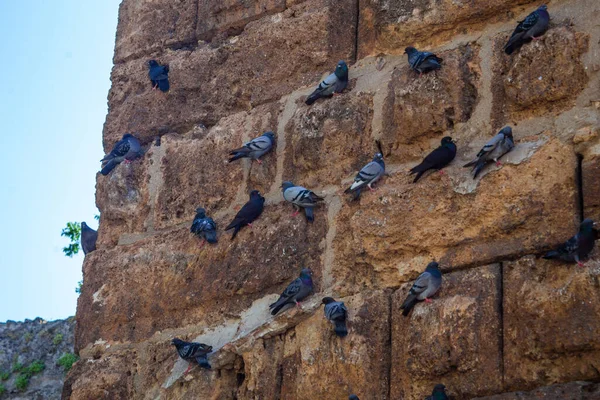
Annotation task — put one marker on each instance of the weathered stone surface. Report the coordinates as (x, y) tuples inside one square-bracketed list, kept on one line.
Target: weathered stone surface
[(318, 365), (390, 26), (167, 274), (329, 140), (551, 329), (34, 341), (565, 391), (146, 26), (417, 108), (519, 209), (590, 173), (454, 340), (541, 77), (208, 83)]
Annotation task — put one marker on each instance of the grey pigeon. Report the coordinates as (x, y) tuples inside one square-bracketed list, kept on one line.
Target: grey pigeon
[(437, 159), (204, 227), (255, 148), (353, 397), (498, 146), (159, 75), (336, 312), (422, 61), (578, 247), (298, 290), (334, 83), (127, 149), (439, 393), (249, 212), (426, 285), (192, 351), (531, 28), (301, 197), (88, 238), (367, 176)]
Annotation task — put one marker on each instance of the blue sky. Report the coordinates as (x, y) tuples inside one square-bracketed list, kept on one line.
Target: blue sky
[(56, 76)]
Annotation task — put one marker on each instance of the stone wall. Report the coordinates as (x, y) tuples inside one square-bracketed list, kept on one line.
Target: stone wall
[(504, 321)]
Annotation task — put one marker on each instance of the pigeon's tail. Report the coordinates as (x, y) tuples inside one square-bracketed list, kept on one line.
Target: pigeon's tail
[(478, 167), (211, 236), (513, 44), (277, 306), (408, 304), (163, 85), (235, 231), (340, 328), (551, 255), (356, 195), (238, 153), (312, 98), (420, 174), (310, 216), (203, 362), (109, 167)]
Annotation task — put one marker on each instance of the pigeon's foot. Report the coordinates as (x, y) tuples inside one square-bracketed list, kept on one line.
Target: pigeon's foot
[(580, 264), (188, 369), (298, 305), (442, 172), (428, 300), (202, 244), (258, 161), (420, 74), (335, 94), (535, 38), (498, 164), (296, 213), (127, 161), (372, 189), (250, 225)]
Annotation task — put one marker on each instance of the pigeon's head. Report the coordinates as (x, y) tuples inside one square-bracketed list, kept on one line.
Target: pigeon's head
[(439, 388), (152, 63), (353, 397), (270, 135), (127, 135), (255, 194), (410, 50), (587, 225), (433, 265), (83, 225), (177, 342), (200, 212), (543, 7), (341, 70), (447, 140), (306, 273), (327, 300), (286, 185), (507, 132), (378, 157)]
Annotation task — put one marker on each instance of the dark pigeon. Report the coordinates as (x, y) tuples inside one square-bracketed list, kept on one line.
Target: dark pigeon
[(249, 212), (204, 227), (159, 75), (578, 247), (255, 148), (298, 290), (353, 397), (367, 176), (422, 61), (426, 285), (531, 28), (88, 238), (437, 159), (333, 84), (127, 149), (301, 197), (191, 351), (439, 393), (495, 148), (336, 312)]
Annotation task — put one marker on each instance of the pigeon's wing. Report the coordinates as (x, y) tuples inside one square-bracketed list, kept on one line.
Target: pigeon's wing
[(369, 172), (135, 149), (202, 224), (340, 85), (259, 143), (248, 213), (528, 23), (571, 246), (327, 86), (490, 145), (301, 196), (335, 310), (421, 283), (292, 289), (120, 149)]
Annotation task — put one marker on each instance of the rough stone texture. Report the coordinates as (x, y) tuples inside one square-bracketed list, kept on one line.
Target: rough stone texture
[(567, 391), (552, 333), (454, 340), (150, 281), (29, 341)]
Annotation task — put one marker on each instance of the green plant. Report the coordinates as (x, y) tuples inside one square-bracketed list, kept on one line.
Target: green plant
[(35, 367), (58, 338), (4, 375), (67, 360), (22, 382), (78, 288), (73, 232), (28, 336), (17, 367), (2, 389)]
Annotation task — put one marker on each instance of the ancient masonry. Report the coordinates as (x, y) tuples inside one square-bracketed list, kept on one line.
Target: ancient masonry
[(505, 320)]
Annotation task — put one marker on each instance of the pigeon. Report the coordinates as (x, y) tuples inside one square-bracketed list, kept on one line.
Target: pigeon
[(422, 61), (301, 197), (336, 312), (249, 212), (333, 84), (439, 393), (426, 285), (296, 291), (353, 397), (88, 238), (191, 351), (437, 159), (498, 146), (578, 247), (255, 148), (367, 176), (128, 149), (204, 227), (532, 27), (159, 75)]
